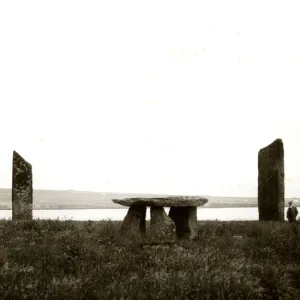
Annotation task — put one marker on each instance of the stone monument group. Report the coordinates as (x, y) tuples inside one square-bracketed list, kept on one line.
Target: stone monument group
[(270, 184)]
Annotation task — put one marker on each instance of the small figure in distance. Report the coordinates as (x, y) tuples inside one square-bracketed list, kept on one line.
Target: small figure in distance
[(292, 212)]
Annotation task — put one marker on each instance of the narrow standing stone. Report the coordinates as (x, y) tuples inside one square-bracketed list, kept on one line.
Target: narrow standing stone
[(21, 189), (185, 219), (135, 220), (161, 226), (271, 182)]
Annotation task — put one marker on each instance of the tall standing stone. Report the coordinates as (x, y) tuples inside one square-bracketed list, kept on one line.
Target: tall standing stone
[(21, 188), (271, 182)]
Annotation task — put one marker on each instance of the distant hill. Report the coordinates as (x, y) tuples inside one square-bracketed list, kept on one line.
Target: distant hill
[(71, 199)]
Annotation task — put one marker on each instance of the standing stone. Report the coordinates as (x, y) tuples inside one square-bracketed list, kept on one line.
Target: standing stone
[(185, 219), (271, 182), (161, 226), (21, 189), (135, 220)]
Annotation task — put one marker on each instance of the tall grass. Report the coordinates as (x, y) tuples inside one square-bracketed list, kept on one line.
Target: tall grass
[(92, 260)]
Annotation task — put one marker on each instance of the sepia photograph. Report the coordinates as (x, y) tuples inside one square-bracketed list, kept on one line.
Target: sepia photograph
[(150, 150)]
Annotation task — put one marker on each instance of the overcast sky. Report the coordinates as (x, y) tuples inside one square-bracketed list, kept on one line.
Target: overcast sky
[(171, 97)]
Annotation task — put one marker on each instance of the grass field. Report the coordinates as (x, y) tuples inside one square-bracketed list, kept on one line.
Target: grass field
[(45, 259)]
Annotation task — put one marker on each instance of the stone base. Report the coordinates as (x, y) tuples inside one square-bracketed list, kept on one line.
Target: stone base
[(185, 219), (21, 211), (135, 220), (161, 226)]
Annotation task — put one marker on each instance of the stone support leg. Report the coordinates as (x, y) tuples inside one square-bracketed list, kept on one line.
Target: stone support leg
[(185, 219), (161, 226), (135, 220)]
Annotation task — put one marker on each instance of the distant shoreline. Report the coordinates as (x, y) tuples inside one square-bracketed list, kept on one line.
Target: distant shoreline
[(74, 200), (125, 207)]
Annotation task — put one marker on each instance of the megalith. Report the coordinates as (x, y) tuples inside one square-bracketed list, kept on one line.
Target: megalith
[(271, 182), (182, 215), (22, 191)]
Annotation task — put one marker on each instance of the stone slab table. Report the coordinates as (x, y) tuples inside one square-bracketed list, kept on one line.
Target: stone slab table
[(182, 217)]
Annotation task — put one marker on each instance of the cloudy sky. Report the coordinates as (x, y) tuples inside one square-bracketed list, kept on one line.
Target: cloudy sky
[(171, 97)]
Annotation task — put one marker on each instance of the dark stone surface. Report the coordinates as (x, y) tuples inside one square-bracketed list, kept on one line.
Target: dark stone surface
[(271, 182), (21, 189), (161, 226), (167, 201), (185, 219), (135, 220)]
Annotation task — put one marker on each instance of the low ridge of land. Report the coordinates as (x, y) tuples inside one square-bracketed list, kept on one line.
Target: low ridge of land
[(71, 199)]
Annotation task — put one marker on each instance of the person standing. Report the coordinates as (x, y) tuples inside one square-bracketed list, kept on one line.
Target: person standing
[(292, 212)]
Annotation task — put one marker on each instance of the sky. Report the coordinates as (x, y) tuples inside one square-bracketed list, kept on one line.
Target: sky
[(172, 97)]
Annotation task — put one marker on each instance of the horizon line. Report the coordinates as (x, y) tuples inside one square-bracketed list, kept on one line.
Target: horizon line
[(143, 193)]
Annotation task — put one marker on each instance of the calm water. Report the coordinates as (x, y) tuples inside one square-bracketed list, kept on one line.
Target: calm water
[(222, 214)]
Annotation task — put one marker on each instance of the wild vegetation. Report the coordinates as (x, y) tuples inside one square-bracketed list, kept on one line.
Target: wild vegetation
[(45, 259)]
